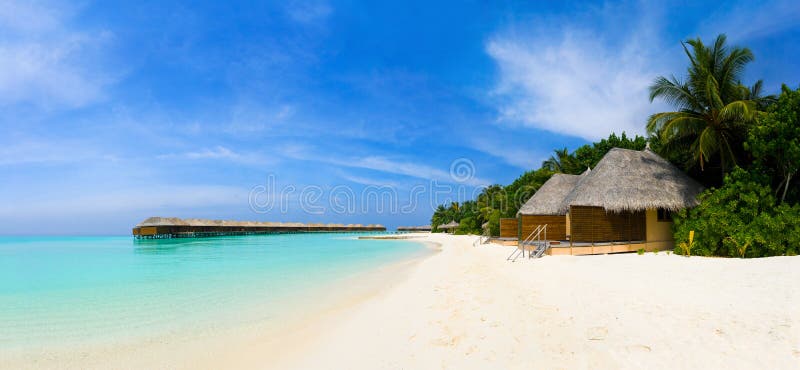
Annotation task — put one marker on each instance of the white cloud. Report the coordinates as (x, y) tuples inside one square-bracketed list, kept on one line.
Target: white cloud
[(391, 166), (221, 153), (576, 81), (27, 16), (218, 152), (45, 60), (411, 169)]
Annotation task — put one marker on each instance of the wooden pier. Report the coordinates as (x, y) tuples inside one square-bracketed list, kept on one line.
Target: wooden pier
[(173, 227), (415, 229)]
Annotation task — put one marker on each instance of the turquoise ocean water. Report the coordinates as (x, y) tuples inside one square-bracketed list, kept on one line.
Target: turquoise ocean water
[(72, 290)]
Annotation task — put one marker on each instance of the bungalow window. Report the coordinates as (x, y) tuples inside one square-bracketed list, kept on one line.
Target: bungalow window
[(664, 215)]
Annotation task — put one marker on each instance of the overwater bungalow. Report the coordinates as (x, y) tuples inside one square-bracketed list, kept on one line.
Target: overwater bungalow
[(173, 227), (622, 205)]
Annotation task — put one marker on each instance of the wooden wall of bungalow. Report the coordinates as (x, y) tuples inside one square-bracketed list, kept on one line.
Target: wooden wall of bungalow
[(595, 231), (591, 225), (556, 226), (509, 228), (522, 226), (594, 225)]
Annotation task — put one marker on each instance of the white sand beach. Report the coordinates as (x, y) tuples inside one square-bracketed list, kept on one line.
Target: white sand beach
[(467, 307)]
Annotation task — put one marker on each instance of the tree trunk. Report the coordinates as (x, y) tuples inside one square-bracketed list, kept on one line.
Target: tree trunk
[(779, 187), (786, 186)]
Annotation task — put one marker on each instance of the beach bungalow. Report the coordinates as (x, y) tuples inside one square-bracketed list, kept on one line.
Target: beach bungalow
[(622, 205), (449, 227), (545, 207)]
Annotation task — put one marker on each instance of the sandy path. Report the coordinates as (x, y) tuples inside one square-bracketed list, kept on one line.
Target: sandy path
[(467, 307)]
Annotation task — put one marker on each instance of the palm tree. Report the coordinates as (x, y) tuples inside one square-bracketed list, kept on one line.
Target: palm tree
[(713, 107), (755, 94), (557, 161)]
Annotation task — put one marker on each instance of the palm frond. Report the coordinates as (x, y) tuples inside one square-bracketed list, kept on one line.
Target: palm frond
[(726, 152), (717, 54), (674, 92), (693, 43), (656, 121), (681, 125), (661, 123), (732, 70), (706, 145), (738, 112), (712, 93), (755, 90)]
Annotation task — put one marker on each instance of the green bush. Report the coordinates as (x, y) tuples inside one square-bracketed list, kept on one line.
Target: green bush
[(775, 145), (740, 219), (468, 225), (640, 251), (494, 223)]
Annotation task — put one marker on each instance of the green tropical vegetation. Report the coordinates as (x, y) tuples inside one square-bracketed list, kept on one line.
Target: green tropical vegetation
[(756, 212), (740, 219), (775, 144), (744, 146), (713, 108)]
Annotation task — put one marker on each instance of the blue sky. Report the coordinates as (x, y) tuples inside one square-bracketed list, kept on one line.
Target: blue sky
[(112, 112)]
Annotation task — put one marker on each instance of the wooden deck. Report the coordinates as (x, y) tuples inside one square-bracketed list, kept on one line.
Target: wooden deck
[(504, 241), (582, 249), (563, 248)]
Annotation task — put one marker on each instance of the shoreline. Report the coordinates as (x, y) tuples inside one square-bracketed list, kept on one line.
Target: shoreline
[(302, 335)]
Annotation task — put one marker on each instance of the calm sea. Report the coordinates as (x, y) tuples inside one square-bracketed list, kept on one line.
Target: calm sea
[(72, 290)]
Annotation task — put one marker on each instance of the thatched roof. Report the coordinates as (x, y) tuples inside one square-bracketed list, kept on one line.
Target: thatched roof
[(414, 228), (450, 225), (547, 200), (162, 221), (198, 222), (632, 180)]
